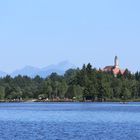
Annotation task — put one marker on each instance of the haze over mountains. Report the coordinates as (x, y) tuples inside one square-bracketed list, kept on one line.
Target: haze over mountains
[(31, 71)]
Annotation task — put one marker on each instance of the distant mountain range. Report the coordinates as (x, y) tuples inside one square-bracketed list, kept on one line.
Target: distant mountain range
[(43, 72)]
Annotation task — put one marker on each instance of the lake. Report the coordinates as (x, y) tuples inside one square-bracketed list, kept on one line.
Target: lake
[(69, 121)]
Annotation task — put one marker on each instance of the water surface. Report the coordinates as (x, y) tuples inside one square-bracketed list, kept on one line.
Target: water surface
[(69, 121)]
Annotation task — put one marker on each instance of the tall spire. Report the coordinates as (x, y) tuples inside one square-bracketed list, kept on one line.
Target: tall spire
[(116, 62)]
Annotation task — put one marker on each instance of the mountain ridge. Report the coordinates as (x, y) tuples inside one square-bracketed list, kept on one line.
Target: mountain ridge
[(32, 71)]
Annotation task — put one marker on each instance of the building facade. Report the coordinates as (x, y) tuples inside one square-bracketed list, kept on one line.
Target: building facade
[(115, 69)]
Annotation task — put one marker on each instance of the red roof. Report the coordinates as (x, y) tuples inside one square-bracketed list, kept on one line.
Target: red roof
[(115, 70), (109, 68)]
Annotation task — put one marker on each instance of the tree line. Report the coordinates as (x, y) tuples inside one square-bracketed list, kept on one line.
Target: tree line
[(82, 84)]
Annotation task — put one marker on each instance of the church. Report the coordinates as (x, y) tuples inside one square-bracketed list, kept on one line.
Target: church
[(114, 69)]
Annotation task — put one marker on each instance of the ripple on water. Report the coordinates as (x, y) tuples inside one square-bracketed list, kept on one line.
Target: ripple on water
[(71, 121)]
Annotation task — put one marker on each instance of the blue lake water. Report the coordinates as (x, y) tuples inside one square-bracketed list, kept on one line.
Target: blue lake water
[(69, 121)]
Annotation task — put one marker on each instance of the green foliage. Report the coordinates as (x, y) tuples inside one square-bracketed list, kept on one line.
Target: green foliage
[(2, 92), (78, 84)]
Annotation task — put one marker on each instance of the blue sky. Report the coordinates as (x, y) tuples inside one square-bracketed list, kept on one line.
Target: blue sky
[(43, 32)]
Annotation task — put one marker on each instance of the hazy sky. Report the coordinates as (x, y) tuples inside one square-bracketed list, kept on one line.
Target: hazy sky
[(43, 32)]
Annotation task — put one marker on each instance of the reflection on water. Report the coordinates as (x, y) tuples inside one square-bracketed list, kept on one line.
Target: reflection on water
[(72, 121)]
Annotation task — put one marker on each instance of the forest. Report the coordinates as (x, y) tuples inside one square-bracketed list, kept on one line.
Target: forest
[(85, 84)]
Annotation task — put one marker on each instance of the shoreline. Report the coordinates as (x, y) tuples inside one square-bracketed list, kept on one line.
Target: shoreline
[(64, 101)]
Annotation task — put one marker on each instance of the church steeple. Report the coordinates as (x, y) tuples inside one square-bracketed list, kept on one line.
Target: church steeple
[(116, 62), (115, 69)]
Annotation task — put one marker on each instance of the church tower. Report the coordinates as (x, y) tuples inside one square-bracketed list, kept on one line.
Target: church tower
[(116, 62), (114, 69)]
